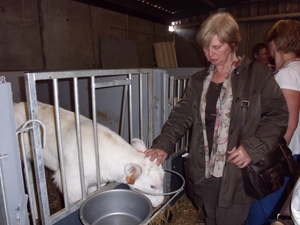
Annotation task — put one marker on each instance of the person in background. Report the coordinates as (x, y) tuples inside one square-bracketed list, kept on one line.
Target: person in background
[(284, 42), (211, 108), (261, 53)]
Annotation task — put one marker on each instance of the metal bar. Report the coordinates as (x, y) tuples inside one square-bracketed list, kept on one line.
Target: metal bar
[(60, 143), (64, 213), (165, 111), (179, 94), (165, 82), (112, 83), (97, 154), (171, 92), (141, 122), (151, 104), (86, 73), (32, 201), (187, 136), (37, 149), (79, 139), (130, 109), (122, 118)]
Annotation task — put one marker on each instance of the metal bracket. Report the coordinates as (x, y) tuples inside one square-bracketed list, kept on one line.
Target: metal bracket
[(3, 156), (21, 210)]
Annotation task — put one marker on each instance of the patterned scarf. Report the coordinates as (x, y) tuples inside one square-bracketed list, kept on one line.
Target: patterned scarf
[(214, 164)]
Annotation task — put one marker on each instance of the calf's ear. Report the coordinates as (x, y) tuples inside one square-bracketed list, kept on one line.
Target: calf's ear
[(132, 172), (138, 144)]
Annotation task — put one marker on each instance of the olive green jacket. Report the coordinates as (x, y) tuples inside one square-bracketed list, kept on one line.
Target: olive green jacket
[(266, 123)]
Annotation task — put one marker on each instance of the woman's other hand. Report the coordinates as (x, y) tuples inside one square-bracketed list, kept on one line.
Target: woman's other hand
[(239, 157), (155, 153)]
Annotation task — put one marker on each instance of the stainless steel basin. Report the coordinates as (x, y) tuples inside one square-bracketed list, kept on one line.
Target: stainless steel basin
[(116, 207)]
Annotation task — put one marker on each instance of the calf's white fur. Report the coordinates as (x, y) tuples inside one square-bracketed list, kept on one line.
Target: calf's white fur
[(118, 159)]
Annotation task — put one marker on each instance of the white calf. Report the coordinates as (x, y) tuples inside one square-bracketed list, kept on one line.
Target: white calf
[(119, 161)]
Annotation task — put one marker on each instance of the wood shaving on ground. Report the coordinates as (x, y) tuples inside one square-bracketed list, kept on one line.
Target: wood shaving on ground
[(181, 213)]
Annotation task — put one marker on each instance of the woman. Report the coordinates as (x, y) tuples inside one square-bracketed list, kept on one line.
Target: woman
[(284, 39), (284, 42), (211, 106)]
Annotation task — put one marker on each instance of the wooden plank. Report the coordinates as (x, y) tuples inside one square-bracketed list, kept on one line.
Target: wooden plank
[(165, 54)]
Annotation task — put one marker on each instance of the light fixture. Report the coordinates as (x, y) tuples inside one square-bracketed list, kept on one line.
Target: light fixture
[(172, 27)]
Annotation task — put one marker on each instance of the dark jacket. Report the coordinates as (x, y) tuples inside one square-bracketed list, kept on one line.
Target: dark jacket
[(266, 123)]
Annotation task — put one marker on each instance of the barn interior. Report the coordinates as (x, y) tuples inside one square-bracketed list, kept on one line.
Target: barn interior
[(66, 35), (45, 36)]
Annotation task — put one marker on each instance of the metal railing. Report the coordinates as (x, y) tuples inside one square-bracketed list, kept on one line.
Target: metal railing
[(145, 98), (98, 79)]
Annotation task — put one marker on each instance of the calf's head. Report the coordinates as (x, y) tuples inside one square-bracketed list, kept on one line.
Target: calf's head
[(147, 178)]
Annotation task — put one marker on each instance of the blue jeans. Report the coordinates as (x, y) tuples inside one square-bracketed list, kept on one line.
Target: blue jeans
[(264, 211)]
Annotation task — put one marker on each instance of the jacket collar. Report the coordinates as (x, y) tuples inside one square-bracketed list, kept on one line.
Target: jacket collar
[(244, 63)]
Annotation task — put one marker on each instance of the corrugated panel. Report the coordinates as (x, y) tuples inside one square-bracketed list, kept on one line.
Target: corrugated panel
[(117, 53), (165, 54)]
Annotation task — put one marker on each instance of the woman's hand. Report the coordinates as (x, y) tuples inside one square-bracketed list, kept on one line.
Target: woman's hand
[(239, 157), (158, 154)]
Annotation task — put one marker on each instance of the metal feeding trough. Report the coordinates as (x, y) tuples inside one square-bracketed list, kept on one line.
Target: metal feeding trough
[(116, 207), (121, 207)]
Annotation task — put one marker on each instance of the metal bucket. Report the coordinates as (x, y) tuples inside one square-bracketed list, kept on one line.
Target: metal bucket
[(116, 207)]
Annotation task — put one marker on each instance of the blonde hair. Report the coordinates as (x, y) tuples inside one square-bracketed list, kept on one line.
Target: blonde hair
[(286, 35), (224, 26)]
